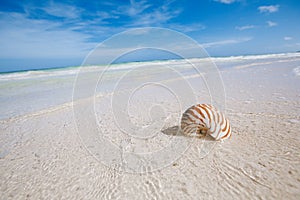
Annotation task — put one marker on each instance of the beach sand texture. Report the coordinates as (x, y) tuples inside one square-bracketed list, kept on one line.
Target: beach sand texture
[(43, 156)]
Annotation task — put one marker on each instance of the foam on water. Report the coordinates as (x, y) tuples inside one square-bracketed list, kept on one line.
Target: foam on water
[(296, 71), (37, 74), (125, 66), (265, 56)]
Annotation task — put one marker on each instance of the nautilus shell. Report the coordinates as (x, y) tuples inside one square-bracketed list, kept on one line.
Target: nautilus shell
[(202, 119)]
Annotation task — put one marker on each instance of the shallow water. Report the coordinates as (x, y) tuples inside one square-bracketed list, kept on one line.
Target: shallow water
[(26, 92)]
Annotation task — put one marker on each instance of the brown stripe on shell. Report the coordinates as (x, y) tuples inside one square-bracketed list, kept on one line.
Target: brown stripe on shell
[(208, 115), (227, 134), (199, 111)]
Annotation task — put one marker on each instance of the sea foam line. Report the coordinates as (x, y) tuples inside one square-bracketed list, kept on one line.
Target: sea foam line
[(124, 66)]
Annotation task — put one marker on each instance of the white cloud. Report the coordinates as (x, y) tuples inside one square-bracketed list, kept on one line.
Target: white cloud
[(55, 9), (106, 15), (138, 31), (226, 1), (22, 37), (225, 42), (287, 38), (241, 28), (145, 14), (133, 9), (188, 28), (271, 24), (268, 9), (156, 17), (62, 10)]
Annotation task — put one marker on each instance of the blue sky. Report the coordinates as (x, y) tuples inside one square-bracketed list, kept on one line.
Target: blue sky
[(37, 34)]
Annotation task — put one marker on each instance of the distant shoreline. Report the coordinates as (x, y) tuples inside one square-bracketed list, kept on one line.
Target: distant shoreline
[(5, 72)]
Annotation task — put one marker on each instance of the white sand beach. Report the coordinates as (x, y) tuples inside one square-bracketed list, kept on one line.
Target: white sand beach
[(44, 157)]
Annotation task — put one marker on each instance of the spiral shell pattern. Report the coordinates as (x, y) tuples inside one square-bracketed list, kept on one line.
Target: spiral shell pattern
[(205, 119)]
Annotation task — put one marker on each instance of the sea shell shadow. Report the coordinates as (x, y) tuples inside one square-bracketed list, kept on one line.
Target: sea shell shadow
[(176, 131)]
